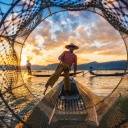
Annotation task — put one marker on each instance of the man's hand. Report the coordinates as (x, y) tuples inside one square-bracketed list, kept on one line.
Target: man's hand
[(59, 58), (74, 74)]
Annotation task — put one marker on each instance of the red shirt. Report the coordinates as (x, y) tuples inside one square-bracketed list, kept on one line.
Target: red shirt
[(69, 59)]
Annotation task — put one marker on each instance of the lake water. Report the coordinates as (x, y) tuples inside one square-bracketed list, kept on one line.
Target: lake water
[(101, 86)]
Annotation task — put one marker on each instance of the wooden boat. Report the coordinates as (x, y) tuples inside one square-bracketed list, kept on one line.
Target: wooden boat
[(115, 74), (79, 105), (47, 75)]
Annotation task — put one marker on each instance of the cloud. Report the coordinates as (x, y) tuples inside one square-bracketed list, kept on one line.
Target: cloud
[(50, 61), (42, 30), (32, 40), (75, 14), (57, 18), (90, 32), (112, 50), (74, 25), (104, 32), (37, 52), (45, 29), (28, 2), (82, 60), (63, 23)]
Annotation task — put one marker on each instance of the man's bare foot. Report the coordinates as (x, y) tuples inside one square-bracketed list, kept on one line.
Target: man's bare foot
[(45, 91), (46, 87)]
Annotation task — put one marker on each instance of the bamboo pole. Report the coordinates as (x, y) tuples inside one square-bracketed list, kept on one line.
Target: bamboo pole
[(48, 7)]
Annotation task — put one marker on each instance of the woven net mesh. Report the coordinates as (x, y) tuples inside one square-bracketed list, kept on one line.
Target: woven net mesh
[(18, 18)]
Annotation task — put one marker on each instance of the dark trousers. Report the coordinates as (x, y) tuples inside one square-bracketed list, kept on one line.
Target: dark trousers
[(29, 70)]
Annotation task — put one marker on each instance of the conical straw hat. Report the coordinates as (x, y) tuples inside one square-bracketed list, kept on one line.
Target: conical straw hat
[(68, 46)]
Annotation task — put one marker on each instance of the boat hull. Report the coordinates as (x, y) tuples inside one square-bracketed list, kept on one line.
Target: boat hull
[(116, 74), (79, 106), (46, 75)]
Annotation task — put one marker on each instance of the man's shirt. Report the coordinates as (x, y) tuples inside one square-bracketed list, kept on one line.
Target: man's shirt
[(69, 59)]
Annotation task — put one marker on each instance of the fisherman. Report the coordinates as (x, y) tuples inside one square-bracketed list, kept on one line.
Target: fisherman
[(67, 58), (91, 69), (28, 65)]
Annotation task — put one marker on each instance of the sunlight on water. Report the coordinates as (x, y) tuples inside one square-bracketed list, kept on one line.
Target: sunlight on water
[(102, 86)]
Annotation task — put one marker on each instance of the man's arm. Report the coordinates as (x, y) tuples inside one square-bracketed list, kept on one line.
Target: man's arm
[(61, 56), (75, 65)]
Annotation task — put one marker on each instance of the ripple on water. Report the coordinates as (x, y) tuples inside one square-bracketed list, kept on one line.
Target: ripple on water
[(101, 86)]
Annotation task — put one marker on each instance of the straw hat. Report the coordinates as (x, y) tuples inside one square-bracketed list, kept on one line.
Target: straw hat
[(68, 46)]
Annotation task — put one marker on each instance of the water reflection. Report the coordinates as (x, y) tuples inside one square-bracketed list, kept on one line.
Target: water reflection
[(100, 85), (91, 79)]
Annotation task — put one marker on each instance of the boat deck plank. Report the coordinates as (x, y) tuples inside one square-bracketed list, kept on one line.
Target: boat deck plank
[(71, 108), (70, 105)]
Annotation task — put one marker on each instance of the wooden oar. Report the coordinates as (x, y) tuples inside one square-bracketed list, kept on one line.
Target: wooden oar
[(48, 85), (85, 73)]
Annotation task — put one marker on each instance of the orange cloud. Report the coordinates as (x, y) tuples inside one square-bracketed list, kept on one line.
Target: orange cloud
[(95, 39), (37, 52)]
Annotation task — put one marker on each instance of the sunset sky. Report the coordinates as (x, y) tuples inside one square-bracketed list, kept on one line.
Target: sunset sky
[(96, 38)]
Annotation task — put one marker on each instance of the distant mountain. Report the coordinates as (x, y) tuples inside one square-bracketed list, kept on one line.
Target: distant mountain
[(34, 67), (112, 65), (52, 66)]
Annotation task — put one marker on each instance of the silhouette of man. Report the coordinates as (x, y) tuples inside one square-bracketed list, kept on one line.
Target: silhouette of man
[(29, 67)]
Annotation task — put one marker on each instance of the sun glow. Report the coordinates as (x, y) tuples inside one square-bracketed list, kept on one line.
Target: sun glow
[(23, 60)]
